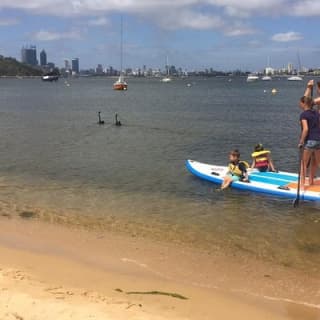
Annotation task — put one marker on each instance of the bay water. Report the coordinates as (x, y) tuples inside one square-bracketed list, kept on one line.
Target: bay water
[(56, 161)]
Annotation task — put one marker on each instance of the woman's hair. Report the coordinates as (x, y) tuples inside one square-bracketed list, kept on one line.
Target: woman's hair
[(307, 100), (258, 147), (235, 153)]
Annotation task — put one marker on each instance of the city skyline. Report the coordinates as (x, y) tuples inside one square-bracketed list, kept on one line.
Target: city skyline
[(72, 66), (224, 34)]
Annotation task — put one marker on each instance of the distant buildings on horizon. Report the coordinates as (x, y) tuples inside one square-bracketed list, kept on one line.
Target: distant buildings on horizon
[(72, 67), (29, 56)]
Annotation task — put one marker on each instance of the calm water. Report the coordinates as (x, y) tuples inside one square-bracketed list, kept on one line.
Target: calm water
[(56, 161)]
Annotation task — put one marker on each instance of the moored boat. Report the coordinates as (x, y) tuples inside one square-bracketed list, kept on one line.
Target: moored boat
[(252, 78), (295, 78), (50, 77), (121, 84), (166, 79)]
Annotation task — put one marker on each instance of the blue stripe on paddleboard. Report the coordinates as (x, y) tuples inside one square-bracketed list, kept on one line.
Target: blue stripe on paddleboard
[(269, 180), (291, 178)]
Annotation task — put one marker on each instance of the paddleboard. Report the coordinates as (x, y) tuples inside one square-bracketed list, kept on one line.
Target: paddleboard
[(282, 184)]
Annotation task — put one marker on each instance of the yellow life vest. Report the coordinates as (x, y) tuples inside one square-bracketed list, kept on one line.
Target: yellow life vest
[(260, 153), (261, 158), (235, 170)]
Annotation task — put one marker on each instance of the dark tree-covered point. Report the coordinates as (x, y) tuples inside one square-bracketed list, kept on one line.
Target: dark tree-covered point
[(12, 67)]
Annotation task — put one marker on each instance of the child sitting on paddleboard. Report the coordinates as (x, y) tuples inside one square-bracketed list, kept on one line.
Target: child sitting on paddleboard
[(237, 170), (262, 159)]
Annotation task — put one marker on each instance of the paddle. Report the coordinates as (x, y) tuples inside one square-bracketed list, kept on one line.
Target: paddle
[(297, 199)]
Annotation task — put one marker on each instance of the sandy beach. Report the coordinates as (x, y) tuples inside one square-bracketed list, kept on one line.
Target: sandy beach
[(53, 272)]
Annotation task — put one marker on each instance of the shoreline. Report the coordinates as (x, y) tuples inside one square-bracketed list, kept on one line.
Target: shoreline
[(37, 256)]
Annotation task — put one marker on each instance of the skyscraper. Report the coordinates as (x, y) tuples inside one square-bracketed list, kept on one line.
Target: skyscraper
[(29, 55), (43, 58), (75, 65), (99, 69), (67, 64)]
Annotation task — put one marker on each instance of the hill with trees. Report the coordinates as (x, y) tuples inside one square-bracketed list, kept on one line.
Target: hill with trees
[(12, 67)]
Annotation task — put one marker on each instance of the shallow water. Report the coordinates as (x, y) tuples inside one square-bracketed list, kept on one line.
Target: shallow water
[(56, 161)]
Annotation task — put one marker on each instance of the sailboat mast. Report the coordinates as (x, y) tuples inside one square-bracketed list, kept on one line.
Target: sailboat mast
[(121, 46), (299, 63), (167, 65)]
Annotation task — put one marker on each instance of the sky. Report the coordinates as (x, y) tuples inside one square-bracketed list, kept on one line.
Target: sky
[(194, 34)]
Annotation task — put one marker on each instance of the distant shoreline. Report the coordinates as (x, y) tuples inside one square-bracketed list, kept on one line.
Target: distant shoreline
[(143, 77)]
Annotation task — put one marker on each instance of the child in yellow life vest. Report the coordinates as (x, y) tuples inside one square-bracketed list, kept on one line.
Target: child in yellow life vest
[(262, 159), (237, 170)]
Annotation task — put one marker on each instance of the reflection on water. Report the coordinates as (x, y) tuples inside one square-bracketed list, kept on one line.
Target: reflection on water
[(56, 161)]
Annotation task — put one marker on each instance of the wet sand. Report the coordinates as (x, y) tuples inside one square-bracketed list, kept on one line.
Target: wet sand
[(53, 272)]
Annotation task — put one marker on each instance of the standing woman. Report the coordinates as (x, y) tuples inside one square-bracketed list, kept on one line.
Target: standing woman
[(309, 139)]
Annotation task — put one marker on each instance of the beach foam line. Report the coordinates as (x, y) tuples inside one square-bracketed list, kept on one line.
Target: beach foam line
[(266, 297), (279, 299), (142, 265), (146, 267)]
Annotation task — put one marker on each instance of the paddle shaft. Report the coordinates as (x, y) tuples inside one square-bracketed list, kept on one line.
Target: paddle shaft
[(297, 199)]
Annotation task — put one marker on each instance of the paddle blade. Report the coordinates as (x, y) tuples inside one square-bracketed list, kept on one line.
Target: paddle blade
[(296, 203)]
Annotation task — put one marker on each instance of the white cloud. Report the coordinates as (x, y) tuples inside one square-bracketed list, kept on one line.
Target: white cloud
[(5, 22), (307, 8), (187, 19), (97, 22), (236, 8), (44, 35), (246, 8), (238, 29), (287, 36), (172, 14)]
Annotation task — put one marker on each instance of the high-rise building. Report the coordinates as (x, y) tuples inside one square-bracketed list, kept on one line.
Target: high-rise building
[(67, 64), (29, 55), (99, 69), (290, 68), (43, 58), (269, 71), (75, 65)]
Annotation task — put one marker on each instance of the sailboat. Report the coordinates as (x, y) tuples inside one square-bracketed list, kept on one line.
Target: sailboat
[(167, 78), (297, 77), (121, 84)]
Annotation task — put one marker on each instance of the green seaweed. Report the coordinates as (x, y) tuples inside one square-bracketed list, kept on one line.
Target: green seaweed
[(169, 294), (27, 214), (6, 215)]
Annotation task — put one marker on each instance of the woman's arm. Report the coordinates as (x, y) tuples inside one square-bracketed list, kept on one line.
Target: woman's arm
[(304, 132), (317, 101), (309, 88)]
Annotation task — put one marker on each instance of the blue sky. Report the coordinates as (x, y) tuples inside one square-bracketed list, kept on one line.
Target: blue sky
[(222, 34)]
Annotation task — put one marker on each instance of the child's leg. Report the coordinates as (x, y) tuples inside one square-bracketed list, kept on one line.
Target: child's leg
[(226, 182)]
